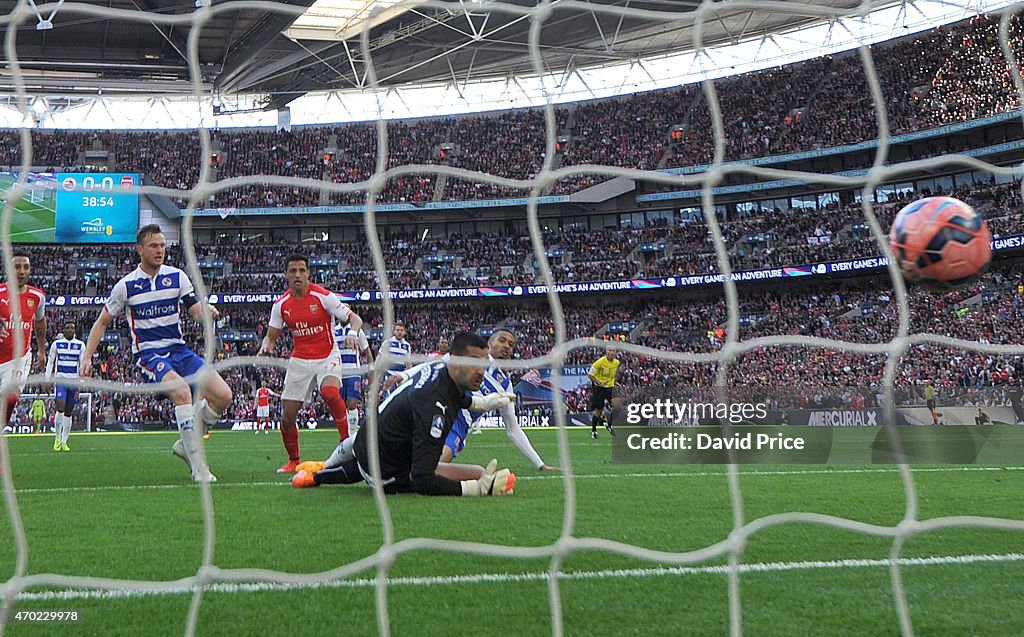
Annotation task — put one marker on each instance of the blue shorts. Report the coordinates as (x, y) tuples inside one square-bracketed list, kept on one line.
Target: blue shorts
[(66, 393), (456, 440), (352, 388), (157, 364)]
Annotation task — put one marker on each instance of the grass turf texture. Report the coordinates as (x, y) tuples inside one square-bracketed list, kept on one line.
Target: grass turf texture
[(121, 506), (31, 222)]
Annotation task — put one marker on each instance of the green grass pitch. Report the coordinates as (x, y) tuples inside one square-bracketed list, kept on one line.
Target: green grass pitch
[(121, 506), (31, 222)]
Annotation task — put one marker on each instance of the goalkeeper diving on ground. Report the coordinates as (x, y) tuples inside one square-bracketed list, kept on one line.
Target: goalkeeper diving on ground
[(413, 424)]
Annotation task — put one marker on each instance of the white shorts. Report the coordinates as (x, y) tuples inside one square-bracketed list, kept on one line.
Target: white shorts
[(303, 376), (16, 371), (263, 412)]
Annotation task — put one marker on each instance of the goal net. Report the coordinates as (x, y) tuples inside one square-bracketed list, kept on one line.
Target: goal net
[(745, 529), (23, 422)]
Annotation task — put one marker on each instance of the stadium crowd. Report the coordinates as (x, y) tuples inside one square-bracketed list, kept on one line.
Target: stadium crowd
[(950, 74), (756, 239), (858, 311)]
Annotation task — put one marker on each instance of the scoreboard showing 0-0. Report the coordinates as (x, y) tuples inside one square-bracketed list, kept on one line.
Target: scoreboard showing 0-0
[(97, 207)]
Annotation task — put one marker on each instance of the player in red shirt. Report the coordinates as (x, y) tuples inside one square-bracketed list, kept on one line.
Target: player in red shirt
[(309, 311), (15, 366), (263, 395), (442, 348)]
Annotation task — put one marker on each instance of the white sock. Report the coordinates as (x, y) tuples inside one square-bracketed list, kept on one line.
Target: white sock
[(184, 415), (341, 453), (58, 427), (353, 422), (207, 415), (64, 428)]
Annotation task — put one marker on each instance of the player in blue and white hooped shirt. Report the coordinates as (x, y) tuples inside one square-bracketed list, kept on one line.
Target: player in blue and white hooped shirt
[(399, 348), (352, 378), (500, 346), (64, 360), (152, 297)]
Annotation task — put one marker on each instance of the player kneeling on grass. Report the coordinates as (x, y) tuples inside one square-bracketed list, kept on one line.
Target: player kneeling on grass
[(412, 425)]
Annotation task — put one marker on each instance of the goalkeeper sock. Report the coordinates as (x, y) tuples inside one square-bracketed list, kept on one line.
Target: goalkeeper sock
[(290, 437), (336, 405), (347, 473)]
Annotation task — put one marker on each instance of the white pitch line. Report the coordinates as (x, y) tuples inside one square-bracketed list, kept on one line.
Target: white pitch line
[(592, 476), (363, 583)]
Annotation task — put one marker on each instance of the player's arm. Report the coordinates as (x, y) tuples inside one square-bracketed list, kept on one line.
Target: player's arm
[(592, 374), (192, 303), (51, 357), (345, 316), (365, 353), (269, 341), (103, 321), (274, 327), (426, 450), (400, 377), (195, 308), (519, 439), (39, 325)]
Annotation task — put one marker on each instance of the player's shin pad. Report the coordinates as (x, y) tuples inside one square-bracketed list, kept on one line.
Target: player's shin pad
[(493, 482)]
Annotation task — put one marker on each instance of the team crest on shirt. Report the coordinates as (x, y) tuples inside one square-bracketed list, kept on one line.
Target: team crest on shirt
[(437, 426), (166, 281), (312, 307), (31, 302), (160, 367)]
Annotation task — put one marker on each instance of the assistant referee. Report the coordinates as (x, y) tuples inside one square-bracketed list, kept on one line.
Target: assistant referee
[(602, 378)]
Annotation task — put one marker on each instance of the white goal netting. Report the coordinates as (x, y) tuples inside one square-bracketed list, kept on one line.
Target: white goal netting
[(743, 527)]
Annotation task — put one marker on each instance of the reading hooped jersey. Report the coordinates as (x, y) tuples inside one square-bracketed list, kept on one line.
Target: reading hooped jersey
[(350, 357), (32, 302), (495, 380), (152, 305), (310, 319), (66, 357), (400, 349)]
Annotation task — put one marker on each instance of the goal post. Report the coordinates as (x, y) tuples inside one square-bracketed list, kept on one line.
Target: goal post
[(22, 422)]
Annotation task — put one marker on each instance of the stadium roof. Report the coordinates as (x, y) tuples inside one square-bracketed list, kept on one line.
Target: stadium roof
[(132, 46), (124, 63)]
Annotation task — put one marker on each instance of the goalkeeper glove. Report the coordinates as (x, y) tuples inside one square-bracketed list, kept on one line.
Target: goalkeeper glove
[(492, 483), (491, 402)]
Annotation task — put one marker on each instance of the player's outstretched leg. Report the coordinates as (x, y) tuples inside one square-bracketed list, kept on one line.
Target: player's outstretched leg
[(347, 473)]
